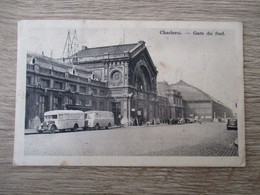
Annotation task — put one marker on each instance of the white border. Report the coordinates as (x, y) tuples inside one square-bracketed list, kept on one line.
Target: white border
[(20, 159)]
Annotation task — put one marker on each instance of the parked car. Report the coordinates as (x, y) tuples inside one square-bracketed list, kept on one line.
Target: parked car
[(189, 120), (173, 121), (181, 121), (231, 123)]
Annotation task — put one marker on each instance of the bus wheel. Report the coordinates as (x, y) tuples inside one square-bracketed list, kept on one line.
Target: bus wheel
[(53, 129), (97, 126), (40, 131), (75, 128), (108, 126)]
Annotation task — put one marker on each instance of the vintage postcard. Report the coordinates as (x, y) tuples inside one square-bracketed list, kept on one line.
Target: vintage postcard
[(129, 93)]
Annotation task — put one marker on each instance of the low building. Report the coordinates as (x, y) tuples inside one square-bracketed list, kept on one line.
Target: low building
[(198, 104), (52, 85), (174, 98)]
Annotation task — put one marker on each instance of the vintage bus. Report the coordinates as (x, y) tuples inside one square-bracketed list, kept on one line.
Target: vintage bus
[(99, 119), (61, 120)]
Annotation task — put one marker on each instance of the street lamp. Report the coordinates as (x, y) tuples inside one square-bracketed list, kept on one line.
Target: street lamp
[(129, 108)]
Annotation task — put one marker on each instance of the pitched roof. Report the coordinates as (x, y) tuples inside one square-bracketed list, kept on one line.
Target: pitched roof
[(189, 92), (114, 49)]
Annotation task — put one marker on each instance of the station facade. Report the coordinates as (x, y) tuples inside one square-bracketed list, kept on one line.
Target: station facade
[(120, 78)]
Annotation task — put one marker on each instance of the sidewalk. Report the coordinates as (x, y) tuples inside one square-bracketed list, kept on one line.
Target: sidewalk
[(144, 125), (30, 131)]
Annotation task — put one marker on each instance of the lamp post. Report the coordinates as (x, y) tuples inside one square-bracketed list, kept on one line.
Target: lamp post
[(129, 108)]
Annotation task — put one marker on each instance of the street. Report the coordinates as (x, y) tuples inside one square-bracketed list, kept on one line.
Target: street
[(206, 139)]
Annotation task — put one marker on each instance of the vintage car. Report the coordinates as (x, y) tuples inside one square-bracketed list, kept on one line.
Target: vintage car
[(181, 121), (190, 120), (231, 123)]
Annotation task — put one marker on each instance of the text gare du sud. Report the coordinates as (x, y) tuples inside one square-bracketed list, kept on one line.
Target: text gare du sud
[(216, 33)]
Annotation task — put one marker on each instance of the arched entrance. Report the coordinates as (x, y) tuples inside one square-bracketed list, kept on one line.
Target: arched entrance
[(143, 104)]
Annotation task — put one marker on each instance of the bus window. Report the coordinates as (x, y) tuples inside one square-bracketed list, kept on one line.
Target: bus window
[(54, 116), (51, 117)]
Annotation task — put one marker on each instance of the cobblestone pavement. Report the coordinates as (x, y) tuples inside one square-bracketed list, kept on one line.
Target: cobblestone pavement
[(206, 139), (199, 150)]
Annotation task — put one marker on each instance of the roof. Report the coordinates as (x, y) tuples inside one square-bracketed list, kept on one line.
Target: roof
[(97, 111), (190, 93), (62, 112), (47, 62), (114, 49)]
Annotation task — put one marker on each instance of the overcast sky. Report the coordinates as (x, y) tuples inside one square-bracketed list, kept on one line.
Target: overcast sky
[(211, 63)]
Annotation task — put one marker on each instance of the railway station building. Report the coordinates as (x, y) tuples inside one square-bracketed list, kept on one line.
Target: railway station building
[(196, 103), (121, 79)]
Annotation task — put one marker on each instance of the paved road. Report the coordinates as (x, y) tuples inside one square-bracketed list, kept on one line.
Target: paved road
[(206, 139)]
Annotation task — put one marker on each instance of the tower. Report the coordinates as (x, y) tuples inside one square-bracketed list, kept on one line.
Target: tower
[(74, 43), (71, 45)]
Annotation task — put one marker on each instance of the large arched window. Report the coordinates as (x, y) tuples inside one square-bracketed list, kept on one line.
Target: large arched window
[(142, 80)]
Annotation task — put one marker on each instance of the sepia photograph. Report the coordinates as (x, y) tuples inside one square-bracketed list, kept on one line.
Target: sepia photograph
[(129, 93)]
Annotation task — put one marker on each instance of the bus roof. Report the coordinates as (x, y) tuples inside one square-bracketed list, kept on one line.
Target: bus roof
[(62, 112), (96, 111)]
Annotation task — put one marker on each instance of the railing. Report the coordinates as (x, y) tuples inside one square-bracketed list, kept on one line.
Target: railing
[(44, 70), (97, 83), (82, 79), (73, 77), (30, 67), (58, 74), (99, 57)]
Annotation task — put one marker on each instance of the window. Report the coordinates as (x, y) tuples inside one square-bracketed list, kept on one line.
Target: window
[(73, 88), (90, 116), (101, 106), (41, 104), (102, 92), (94, 91), (28, 80), (94, 104), (82, 102), (56, 103), (58, 85), (33, 61), (51, 117), (45, 83), (87, 102), (116, 76), (82, 89), (71, 101)]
